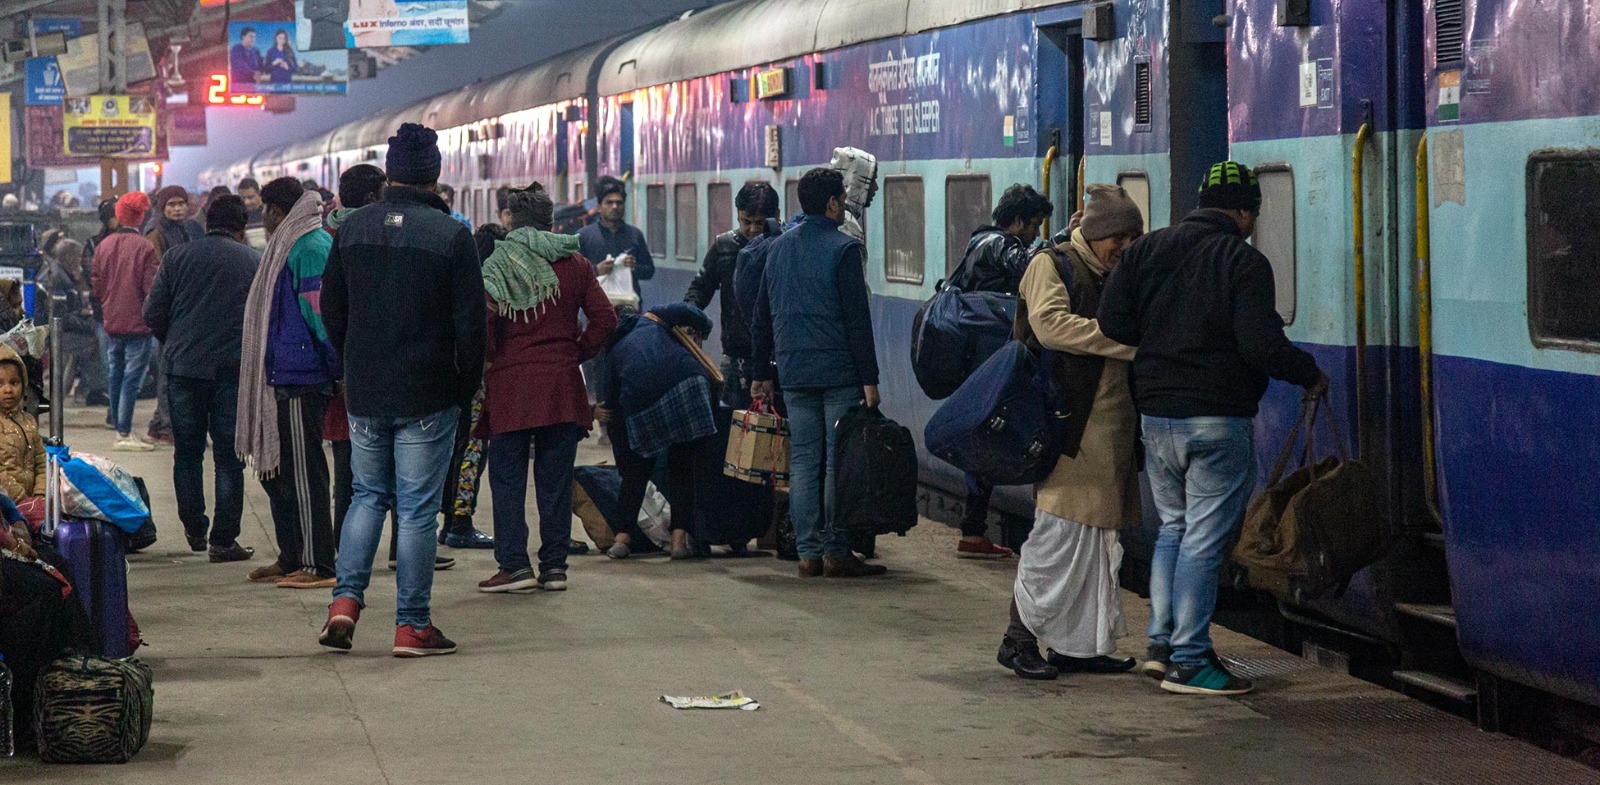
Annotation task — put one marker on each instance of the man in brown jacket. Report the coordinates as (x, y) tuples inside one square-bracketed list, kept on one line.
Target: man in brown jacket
[(1066, 591)]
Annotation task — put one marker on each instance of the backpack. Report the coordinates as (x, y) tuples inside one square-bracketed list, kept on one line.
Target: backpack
[(955, 331), (875, 483)]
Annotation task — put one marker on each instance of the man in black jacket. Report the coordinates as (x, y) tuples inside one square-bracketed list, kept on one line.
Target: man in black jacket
[(755, 203), (1198, 301), (196, 309), (402, 298), (996, 258)]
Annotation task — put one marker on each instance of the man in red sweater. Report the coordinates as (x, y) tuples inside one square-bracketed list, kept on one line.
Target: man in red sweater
[(125, 265)]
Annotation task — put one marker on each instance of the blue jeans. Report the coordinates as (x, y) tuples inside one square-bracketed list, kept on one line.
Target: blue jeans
[(554, 449), (127, 360), (396, 463), (201, 408), (1202, 471), (812, 415)]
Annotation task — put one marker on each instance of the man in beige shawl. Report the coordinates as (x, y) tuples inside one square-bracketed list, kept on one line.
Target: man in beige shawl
[(1066, 592)]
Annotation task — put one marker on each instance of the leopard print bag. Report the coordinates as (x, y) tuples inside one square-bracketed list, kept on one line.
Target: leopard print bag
[(91, 709)]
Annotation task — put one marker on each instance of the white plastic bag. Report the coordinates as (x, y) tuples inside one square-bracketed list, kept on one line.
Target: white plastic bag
[(655, 517), (618, 284)]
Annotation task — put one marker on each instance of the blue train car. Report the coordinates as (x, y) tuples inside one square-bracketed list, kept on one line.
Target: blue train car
[(1464, 376)]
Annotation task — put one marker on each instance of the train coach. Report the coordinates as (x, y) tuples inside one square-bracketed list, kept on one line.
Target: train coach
[(1431, 172)]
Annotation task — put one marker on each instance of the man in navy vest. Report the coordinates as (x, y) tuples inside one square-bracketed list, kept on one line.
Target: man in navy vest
[(813, 329)]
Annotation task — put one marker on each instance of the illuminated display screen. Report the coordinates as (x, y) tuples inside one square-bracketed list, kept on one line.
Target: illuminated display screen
[(217, 94), (772, 84)]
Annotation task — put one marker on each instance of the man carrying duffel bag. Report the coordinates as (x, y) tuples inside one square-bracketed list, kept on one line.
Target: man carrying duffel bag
[(970, 319), (1198, 301)]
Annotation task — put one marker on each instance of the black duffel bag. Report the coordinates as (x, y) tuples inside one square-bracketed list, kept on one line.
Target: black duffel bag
[(875, 476)]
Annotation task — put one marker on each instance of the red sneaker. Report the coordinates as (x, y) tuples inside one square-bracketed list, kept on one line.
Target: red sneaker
[(982, 549), (426, 641), (340, 631)]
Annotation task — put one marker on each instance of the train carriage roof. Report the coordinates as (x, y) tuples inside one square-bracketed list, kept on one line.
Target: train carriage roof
[(742, 34)]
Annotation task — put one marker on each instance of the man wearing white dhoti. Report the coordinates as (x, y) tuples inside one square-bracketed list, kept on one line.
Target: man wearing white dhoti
[(1066, 592)]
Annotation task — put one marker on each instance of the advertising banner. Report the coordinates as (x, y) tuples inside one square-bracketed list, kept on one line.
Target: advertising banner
[(5, 137), (109, 125), (80, 66), (262, 58), (186, 126), (348, 24)]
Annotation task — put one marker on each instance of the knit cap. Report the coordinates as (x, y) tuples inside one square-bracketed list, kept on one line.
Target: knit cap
[(1108, 212), (167, 194), (1230, 186), (132, 207), (413, 157)]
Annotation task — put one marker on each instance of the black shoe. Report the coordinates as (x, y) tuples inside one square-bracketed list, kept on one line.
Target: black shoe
[(197, 542), (577, 548), (1157, 659), (230, 552), (471, 538), (1025, 662), (1102, 664)]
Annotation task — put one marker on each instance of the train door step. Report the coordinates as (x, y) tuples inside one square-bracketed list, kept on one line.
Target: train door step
[(1438, 614), (1454, 689)]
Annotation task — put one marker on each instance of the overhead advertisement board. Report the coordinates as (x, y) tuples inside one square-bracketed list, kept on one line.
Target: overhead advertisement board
[(109, 125), (342, 24), (262, 58), (80, 66)]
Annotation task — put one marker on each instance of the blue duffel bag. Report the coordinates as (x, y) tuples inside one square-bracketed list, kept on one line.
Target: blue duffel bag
[(1005, 422), (954, 332)]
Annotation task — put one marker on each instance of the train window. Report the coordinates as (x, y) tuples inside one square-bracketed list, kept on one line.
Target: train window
[(791, 199), (655, 209), (719, 207), (905, 219), (1564, 250), (968, 199), (686, 219), (1275, 233), (1137, 184)]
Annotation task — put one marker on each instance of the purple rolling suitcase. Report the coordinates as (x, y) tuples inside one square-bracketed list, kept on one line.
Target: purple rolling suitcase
[(95, 552)]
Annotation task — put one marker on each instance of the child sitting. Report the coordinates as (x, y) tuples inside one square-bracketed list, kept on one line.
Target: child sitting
[(22, 457)]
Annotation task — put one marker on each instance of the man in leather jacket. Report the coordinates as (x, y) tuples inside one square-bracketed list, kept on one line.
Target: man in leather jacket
[(996, 258), (755, 203)]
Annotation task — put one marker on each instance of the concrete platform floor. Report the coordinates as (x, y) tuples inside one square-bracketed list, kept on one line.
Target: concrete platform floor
[(873, 681)]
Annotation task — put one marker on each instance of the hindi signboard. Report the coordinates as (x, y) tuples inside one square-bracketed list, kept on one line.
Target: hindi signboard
[(342, 24), (109, 125)]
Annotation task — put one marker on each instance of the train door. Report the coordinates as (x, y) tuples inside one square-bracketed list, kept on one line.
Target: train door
[(1060, 105), (562, 156)]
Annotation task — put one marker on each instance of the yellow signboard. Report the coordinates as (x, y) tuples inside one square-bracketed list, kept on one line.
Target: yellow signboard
[(109, 125), (5, 137), (772, 84)]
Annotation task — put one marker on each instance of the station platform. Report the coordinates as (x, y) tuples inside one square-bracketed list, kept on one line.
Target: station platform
[(888, 680)]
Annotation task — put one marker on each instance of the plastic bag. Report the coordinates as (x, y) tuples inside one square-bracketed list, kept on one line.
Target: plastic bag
[(618, 285), (655, 517)]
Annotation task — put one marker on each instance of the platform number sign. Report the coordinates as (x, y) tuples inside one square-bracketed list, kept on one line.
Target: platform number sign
[(217, 94)]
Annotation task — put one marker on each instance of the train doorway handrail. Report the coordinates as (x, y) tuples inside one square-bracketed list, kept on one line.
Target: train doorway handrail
[(1424, 286), (1359, 273)]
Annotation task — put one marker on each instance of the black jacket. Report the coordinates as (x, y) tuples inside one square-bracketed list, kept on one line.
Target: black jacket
[(716, 273), (402, 298), (994, 262), (1198, 301), (196, 306)]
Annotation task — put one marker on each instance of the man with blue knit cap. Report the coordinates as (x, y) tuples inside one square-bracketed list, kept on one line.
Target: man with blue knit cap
[(403, 301), (1198, 301)]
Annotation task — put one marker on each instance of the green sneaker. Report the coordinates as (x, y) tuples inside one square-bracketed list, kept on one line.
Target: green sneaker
[(1208, 679)]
